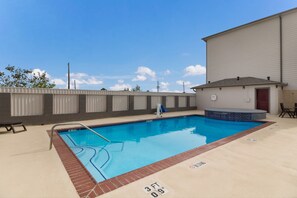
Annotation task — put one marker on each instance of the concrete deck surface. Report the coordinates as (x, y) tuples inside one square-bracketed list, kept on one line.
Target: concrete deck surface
[(266, 167)]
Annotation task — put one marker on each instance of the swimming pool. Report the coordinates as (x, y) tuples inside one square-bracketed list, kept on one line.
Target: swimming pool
[(142, 143)]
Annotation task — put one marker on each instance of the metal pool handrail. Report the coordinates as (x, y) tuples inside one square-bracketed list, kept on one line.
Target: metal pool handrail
[(73, 123)]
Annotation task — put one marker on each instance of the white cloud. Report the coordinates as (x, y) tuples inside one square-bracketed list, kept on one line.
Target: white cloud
[(142, 70), (161, 90), (78, 75), (120, 81), (38, 71), (84, 79), (167, 72), (194, 70), (181, 82), (139, 78), (164, 85), (119, 87), (58, 81), (143, 73), (165, 90)]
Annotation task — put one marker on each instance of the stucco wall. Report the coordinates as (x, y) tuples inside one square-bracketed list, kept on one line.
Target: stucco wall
[(236, 97)]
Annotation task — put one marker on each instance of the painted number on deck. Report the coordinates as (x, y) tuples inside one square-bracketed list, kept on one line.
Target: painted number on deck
[(155, 190)]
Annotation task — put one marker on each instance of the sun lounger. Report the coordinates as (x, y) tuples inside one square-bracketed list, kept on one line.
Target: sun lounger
[(10, 126)]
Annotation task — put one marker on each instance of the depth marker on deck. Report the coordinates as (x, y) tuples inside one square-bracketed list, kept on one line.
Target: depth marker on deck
[(155, 190)]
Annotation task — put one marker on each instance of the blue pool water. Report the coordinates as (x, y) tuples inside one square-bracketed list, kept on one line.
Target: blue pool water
[(141, 143)]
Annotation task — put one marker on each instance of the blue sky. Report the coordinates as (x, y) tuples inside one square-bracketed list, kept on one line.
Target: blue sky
[(121, 43)]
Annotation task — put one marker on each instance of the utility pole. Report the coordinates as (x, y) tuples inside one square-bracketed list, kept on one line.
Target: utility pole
[(68, 75), (184, 87), (74, 83), (158, 86)]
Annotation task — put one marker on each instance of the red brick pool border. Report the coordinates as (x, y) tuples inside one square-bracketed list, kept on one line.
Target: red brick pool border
[(86, 186)]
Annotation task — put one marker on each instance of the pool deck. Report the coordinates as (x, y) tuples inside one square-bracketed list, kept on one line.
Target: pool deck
[(261, 164)]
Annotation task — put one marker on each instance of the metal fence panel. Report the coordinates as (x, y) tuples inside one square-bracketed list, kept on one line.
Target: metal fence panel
[(192, 101), (26, 104), (182, 101), (119, 103), (170, 101), (140, 102), (96, 103), (65, 104), (155, 100)]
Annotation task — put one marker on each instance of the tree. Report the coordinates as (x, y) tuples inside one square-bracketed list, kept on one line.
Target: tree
[(137, 88), (103, 89), (41, 81), (18, 77)]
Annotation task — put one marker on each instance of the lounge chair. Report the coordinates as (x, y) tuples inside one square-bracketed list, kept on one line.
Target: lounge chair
[(10, 126), (286, 111), (295, 110)]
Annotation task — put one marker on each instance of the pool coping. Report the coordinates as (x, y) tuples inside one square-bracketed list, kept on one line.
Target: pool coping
[(86, 185)]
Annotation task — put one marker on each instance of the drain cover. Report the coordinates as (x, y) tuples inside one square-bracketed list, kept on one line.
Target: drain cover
[(198, 164), (251, 140)]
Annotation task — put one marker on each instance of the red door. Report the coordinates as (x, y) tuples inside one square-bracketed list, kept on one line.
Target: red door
[(262, 99)]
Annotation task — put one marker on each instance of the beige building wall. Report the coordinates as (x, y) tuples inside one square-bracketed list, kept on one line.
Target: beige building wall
[(236, 97), (253, 50), (289, 98), (290, 50)]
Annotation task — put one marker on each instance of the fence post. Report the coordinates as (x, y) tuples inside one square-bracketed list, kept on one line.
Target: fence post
[(176, 100), (109, 103), (149, 104), (82, 102), (188, 101), (163, 101), (130, 103), (48, 104), (5, 106)]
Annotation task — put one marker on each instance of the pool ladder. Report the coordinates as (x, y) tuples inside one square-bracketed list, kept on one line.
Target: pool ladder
[(74, 123)]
